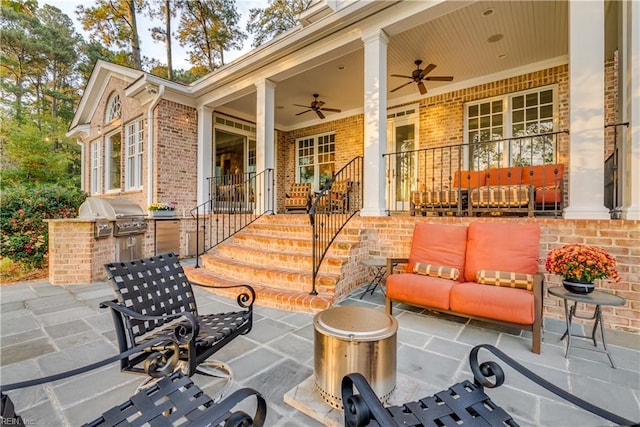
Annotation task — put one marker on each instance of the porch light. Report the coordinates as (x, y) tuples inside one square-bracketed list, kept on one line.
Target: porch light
[(495, 38), (488, 11)]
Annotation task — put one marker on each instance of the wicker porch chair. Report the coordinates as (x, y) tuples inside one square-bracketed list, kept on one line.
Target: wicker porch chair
[(299, 197), (463, 404), (155, 298)]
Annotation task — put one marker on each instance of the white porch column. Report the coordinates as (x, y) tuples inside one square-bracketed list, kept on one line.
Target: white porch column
[(205, 152), (629, 78), (265, 134), (375, 122), (586, 111)]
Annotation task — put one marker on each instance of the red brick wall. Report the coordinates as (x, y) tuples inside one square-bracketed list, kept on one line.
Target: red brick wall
[(391, 237)]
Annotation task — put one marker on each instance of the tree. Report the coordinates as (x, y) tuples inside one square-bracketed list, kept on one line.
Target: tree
[(209, 29), (165, 11), (278, 17), (114, 23)]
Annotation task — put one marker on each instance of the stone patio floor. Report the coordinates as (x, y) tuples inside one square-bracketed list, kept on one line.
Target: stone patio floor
[(46, 329)]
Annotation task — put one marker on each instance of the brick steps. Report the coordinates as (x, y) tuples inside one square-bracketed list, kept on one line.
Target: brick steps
[(266, 296), (274, 256)]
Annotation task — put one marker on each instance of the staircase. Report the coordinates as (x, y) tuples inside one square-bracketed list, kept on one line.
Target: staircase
[(274, 256)]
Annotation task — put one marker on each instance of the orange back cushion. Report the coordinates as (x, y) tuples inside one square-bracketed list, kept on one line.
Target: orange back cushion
[(469, 179), (439, 244), (543, 175), (504, 176), (503, 247)]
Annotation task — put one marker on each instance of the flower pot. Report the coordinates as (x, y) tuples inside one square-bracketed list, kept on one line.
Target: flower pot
[(578, 288), (161, 214)]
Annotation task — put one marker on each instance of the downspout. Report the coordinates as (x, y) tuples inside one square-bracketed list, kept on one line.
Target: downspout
[(151, 144)]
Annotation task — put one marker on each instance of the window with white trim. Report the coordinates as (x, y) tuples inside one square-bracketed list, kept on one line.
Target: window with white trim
[(315, 159), (516, 122), (113, 110), (134, 137), (96, 167), (113, 152)]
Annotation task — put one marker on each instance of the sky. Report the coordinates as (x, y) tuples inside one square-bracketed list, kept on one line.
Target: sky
[(155, 49)]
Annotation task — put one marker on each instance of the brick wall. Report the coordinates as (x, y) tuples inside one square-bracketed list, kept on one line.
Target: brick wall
[(391, 237)]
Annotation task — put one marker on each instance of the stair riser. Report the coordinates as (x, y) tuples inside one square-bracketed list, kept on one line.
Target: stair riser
[(267, 277), (278, 259)]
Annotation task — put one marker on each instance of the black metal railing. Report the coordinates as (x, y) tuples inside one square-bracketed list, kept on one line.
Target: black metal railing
[(332, 208), (235, 201), (518, 175), (611, 182)]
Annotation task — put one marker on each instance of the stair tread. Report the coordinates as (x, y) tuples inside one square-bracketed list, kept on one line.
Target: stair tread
[(265, 296), (268, 252), (213, 255)]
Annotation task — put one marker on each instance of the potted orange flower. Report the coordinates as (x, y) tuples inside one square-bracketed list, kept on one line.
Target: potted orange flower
[(580, 265)]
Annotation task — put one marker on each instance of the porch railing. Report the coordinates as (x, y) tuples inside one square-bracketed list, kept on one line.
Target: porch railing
[(611, 182), (519, 175), (235, 201), (332, 208)]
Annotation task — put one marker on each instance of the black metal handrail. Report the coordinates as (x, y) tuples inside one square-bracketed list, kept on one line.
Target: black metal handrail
[(611, 181), (332, 208), (235, 201), (441, 175)]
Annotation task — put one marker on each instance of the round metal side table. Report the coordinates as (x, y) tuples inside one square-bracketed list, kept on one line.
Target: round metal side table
[(597, 298)]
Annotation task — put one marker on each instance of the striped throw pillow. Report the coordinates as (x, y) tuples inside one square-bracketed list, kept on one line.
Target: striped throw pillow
[(432, 270), (505, 278)]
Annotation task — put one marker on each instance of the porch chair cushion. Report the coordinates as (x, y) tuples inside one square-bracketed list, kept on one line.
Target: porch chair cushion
[(433, 270)]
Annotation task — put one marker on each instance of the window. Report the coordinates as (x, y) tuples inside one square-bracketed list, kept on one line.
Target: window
[(315, 159), (133, 166), (512, 128), (113, 108), (96, 167), (113, 151)]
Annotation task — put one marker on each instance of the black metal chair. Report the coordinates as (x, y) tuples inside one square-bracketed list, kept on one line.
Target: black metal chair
[(155, 298), (174, 400), (463, 404)]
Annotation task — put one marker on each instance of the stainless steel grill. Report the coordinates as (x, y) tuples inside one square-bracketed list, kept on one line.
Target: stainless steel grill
[(124, 218)]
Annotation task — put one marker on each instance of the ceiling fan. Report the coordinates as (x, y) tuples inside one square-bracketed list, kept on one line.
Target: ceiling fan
[(419, 75), (317, 106)]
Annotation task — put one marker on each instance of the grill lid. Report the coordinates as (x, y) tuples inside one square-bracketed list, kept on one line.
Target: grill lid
[(111, 209)]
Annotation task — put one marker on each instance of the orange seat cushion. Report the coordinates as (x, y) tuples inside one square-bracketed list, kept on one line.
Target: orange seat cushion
[(506, 304), (503, 247), (504, 176), (469, 179), (543, 175), (548, 196), (439, 244), (420, 290)]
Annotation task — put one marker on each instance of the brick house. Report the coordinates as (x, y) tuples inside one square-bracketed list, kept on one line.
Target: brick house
[(517, 68)]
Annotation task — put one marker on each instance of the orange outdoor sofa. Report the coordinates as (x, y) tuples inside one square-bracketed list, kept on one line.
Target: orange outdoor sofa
[(486, 271)]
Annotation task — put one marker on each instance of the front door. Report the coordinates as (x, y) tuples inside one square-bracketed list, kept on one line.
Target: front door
[(401, 167)]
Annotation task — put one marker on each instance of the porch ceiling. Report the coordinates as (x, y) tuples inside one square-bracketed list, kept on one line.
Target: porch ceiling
[(458, 43)]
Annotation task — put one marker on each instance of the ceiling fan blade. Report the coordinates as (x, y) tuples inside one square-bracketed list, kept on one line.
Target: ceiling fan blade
[(401, 86), (400, 75), (427, 70), (423, 89), (319, 113), (334, 110), (303, 106), (303, 112), (439, 78)]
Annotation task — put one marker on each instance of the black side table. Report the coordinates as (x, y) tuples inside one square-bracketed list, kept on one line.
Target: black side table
[(379, 266), (597, 298)]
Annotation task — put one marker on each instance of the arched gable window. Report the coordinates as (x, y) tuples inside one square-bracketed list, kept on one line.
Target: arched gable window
[(113, 108)]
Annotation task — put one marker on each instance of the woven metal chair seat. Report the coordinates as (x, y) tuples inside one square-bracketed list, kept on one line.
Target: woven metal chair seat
[(176, 401), (463, 404), (154, 298)]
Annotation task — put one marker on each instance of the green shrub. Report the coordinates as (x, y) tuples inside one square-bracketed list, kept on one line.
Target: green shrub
[(25, 234)]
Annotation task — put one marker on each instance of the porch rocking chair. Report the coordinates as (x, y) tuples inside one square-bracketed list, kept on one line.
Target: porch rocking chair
[(463, 404), (155, 298)]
